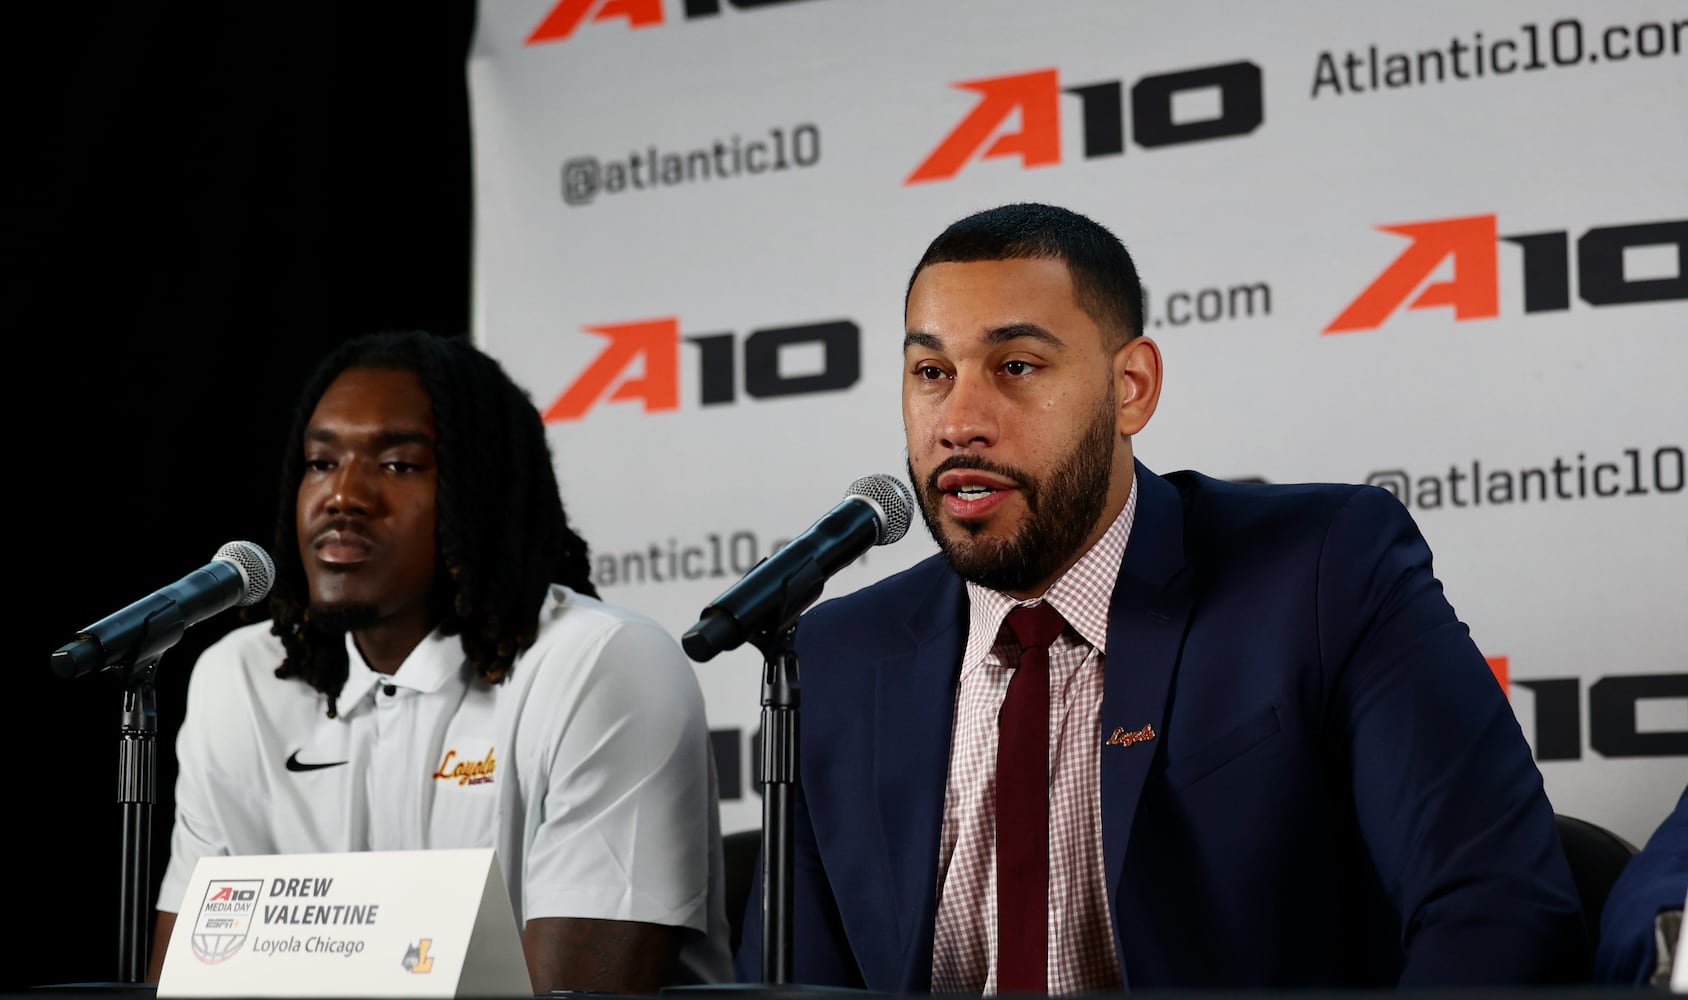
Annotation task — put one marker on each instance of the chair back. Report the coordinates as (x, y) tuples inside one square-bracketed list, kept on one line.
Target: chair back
[(1597, 856)]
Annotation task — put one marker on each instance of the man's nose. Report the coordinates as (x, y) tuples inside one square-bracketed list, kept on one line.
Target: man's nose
[(350, 491), (970, 418)]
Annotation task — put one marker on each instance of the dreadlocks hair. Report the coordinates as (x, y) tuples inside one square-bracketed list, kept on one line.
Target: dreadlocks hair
[(501, 532), (1105, 282)]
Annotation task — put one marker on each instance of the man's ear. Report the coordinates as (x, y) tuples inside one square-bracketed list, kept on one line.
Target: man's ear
[(1137, 383)]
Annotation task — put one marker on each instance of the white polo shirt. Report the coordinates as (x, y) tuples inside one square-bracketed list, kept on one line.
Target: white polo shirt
[(588, 769)]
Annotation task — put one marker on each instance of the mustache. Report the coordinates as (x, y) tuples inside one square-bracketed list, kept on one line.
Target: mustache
[(345, 526), (978, 463)]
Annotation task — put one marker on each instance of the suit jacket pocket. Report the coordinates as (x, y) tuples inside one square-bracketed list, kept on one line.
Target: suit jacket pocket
[(1252, 732)]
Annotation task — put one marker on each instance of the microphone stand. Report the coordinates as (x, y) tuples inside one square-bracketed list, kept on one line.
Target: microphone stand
[(137, 779), (778, 774), (781, 695)]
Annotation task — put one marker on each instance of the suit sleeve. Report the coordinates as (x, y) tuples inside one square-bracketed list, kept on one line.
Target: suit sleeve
[(1654, 882), (1447, 795)]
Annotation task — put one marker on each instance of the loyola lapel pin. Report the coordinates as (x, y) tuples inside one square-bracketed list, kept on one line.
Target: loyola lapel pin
[(1121, 738)]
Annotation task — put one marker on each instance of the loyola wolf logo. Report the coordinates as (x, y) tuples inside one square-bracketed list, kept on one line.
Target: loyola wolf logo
[(416, 958)]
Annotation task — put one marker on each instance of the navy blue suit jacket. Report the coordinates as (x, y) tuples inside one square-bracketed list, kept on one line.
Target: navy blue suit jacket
[(1337, 792)]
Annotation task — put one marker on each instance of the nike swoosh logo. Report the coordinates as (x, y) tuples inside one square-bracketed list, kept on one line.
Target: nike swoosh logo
[(295, 764)]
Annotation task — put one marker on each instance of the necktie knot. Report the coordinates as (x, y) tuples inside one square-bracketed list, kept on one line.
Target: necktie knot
[(1035, 626)]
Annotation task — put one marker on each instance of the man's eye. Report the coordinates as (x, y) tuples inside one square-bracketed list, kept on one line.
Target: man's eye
[(929, 372), (1017, 367)]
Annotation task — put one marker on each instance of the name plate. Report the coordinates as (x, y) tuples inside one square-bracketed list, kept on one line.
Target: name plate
[(364, 924)]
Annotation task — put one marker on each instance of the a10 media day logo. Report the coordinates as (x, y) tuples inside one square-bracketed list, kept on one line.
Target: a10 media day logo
[(641, 362), (1609, 261), (1167, 109)]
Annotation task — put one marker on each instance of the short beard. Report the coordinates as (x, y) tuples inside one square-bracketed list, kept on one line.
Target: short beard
[(1060, 513)]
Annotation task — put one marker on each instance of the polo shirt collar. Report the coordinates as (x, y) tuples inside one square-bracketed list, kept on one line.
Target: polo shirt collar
[(436, 660)]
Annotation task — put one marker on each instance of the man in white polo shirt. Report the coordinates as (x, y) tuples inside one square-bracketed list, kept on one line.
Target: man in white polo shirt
[(438, 673)]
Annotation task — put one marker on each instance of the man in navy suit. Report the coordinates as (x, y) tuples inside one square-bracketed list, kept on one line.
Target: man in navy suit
[(1275, 758)]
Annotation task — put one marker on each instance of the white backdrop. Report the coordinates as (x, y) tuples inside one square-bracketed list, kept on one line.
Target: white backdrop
[(661, 183)]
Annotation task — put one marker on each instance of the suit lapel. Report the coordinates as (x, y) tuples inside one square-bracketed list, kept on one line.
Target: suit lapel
[(1146, 622), (915, 706), (914, 709)]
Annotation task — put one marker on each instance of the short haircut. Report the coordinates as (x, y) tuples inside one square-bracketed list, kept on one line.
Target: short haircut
[(1105, 282)]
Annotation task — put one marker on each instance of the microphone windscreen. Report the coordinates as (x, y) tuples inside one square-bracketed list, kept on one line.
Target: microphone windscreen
[(257, 571), (892, 497)]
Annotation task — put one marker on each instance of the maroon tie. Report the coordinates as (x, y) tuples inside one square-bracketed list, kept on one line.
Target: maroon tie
[(1022, 807)]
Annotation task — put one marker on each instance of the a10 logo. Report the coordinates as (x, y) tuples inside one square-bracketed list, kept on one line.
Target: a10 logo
[(567, 15), (642, 362), (1613, 717), (1035, 99), (1472, 245)]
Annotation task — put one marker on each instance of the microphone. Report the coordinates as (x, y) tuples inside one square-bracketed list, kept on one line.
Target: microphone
[(240, 573), (875, 511)]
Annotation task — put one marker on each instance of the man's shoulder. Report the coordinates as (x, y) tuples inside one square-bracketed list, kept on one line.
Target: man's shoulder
[(579, 632), (570, 616), (241, 663), (902, 591), (246, 647), (594, 663), (1198, 488), (1212, 504)]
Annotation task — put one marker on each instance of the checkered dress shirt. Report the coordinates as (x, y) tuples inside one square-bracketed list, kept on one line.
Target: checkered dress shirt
[(1081, 938)]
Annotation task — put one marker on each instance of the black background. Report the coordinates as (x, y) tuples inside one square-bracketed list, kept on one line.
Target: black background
[(212, 195)]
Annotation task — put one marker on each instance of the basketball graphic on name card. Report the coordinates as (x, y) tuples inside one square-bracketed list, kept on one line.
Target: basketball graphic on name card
[(224, 917)]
